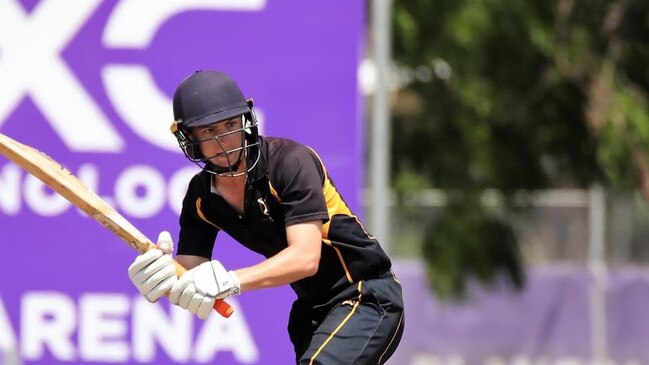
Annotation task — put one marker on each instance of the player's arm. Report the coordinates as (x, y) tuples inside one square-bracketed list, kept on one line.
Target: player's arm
[(190, 261), (297, 261), (200, 286)]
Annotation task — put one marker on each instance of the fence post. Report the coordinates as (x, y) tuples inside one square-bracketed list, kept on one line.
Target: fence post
[(598, 270)]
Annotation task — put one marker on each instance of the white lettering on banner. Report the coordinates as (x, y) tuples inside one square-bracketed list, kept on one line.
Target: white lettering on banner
[(7, 336), (136, 203), (48, 322), (140, 191), (134, 23), (10, 189), (207, 344), (89, 174), (153, 325), (149, 330), (131, 88), (178, 186), (103, 328), (31, 47), (42, 199), (141, 104)]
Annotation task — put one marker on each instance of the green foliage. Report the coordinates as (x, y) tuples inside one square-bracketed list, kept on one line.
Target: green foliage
[(465, 243), (526, 95)]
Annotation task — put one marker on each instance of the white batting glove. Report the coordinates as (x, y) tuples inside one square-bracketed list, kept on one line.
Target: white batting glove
[(153, 272), (198, 288)]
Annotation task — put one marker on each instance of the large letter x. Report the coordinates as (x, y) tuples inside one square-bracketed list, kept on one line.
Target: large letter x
[(30, 64)]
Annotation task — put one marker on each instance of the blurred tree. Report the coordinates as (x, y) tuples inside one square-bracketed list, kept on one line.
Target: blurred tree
[(515, 96)]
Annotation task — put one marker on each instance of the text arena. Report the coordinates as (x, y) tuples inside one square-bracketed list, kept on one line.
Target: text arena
[(112, 327)]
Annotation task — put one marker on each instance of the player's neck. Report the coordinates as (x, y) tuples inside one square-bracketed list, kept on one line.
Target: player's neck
[(232, 189), (229, 180), (225, 183)]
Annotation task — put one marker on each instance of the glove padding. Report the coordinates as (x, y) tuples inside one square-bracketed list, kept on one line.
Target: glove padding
[(153, 272), (198, 288)]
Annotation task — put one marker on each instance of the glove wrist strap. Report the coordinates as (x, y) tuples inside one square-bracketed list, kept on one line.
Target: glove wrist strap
[(236, 287)]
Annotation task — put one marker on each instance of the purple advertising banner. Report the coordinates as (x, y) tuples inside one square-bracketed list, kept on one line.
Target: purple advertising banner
[(551, 322), (90, 83)]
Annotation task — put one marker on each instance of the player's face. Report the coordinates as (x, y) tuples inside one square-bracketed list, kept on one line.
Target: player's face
[(222, 142)]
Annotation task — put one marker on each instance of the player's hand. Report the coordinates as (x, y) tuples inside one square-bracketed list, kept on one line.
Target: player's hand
[(153, 272), (198, 288)]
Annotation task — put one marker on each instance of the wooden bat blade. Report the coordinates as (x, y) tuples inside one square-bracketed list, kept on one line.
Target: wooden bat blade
[(74, 190)]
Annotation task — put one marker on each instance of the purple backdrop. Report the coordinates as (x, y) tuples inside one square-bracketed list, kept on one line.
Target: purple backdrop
[(549, 322), (90, 84)]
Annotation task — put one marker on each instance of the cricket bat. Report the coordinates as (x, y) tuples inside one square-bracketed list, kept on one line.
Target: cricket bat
[(71, 188)]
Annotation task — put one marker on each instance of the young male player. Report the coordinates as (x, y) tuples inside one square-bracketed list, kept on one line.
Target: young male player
[(274, 196)]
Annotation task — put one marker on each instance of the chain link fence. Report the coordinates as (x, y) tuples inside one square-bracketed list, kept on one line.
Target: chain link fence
[(553, 228)]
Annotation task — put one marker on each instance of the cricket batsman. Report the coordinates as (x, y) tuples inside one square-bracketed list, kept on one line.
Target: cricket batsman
[(275, 197)]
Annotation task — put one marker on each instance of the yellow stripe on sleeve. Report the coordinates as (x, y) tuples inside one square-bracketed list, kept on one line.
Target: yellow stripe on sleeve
[(201, 215)]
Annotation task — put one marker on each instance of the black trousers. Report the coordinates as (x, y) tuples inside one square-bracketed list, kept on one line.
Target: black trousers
[(361, 325)]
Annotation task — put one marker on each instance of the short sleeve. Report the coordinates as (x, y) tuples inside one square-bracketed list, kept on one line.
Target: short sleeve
[(298, 179), (196, 236)]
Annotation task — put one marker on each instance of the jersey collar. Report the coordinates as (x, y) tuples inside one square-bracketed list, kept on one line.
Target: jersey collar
[(261, 169)]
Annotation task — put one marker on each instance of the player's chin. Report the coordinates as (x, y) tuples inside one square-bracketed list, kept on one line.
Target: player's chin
[(219, 162)]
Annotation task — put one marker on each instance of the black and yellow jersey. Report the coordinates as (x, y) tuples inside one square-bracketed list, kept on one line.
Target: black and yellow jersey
[(288, 185)]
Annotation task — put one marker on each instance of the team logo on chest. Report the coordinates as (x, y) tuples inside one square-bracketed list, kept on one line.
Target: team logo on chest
[(263, 206)]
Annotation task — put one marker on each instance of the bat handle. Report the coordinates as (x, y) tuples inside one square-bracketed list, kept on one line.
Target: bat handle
[(220, 305)]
